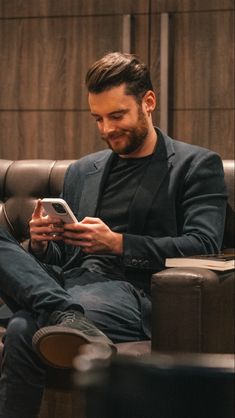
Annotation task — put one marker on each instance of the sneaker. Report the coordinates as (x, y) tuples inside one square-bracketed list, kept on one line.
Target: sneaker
[(58, 343)]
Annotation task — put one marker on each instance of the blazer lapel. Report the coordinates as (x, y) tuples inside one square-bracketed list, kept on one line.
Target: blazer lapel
[(156, 171), (93, 186)]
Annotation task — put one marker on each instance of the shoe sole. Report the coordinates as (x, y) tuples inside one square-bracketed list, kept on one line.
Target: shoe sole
[(58, 348)]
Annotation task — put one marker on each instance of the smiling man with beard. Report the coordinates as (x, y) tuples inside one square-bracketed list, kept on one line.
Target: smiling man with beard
[(123, 123), (145, 198)]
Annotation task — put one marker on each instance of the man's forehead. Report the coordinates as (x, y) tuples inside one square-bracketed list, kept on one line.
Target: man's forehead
[(110, 99)]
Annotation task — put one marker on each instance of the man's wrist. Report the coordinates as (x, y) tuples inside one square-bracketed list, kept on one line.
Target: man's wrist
[(118, 245)]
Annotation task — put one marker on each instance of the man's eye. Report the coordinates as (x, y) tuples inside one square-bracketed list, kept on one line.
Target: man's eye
[(117, 116)]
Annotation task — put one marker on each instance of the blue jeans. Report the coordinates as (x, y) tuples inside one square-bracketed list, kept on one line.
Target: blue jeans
[(32, 292)]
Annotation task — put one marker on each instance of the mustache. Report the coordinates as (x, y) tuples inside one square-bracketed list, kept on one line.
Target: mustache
[(113, 135)]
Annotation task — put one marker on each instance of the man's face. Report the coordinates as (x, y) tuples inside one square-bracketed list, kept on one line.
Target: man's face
[(121, 121)]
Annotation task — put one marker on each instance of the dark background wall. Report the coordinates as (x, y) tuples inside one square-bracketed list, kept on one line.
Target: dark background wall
[(46, 47)]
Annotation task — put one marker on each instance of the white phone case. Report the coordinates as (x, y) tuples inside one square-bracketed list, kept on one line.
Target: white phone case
[(58, 208)]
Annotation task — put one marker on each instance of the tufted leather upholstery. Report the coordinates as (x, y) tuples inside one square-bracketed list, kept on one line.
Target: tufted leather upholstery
[(175, 292), (21, 184), (24, 181), (192, 308)]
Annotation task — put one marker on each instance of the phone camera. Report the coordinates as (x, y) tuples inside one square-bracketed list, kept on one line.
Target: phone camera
[(58, 208)]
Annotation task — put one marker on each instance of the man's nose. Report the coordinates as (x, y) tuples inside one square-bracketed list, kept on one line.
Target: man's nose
[(108, 127)]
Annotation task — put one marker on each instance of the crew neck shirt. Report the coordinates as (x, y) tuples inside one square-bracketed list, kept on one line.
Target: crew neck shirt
[(121, 185)]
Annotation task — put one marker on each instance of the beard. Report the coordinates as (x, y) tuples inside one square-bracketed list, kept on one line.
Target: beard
[(130, 139)]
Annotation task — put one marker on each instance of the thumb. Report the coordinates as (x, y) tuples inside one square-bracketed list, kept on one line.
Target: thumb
[(91, 220), (38, 209)]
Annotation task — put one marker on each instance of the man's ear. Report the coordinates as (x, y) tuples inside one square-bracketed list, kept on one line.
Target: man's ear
[(149, 101)]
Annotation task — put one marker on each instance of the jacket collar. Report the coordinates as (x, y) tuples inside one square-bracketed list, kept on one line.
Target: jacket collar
[(93, 184), (157, 170)]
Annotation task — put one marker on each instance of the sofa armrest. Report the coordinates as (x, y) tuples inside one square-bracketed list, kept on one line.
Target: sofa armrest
[(193, 310)]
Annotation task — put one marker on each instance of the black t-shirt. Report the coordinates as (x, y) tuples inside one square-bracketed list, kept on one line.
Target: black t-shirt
[(121, 185)]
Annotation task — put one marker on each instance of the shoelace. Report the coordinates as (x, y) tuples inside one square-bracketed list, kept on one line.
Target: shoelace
[(70, 317), (66, 317)]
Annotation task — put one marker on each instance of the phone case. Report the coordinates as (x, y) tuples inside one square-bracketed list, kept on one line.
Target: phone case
[(59, 208)]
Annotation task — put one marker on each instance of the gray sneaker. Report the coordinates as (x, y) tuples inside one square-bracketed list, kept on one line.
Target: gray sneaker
[(59, 342)]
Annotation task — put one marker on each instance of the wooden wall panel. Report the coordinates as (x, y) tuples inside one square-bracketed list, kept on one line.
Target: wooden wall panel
[(155, 53), (201, 77), (47, 46), (213, 129), (26, 8), (55, 134), (203, 60), (140, 37), (30, 8), (160, 6), (44, 61), (43, 100)]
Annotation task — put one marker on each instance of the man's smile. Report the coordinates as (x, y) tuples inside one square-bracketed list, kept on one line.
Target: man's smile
[(114, 136)]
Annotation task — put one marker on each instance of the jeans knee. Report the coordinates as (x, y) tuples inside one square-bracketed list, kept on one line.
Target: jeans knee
[(21, 328), (18, 348)]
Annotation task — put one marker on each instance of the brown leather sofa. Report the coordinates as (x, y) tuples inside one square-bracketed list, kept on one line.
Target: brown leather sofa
[(193, 309)]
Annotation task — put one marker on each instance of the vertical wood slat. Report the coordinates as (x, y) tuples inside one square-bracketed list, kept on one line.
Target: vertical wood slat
[(164, 71), (126, 35)]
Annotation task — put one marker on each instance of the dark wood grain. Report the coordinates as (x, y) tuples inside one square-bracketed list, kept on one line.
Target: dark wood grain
[(29, 8), (203, 60), (44, 61), (213, 129), (53, 135), (190, 5), (201, 78), (47, 46)]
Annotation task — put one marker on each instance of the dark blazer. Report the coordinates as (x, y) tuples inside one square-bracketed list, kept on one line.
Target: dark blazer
[(178, 210)]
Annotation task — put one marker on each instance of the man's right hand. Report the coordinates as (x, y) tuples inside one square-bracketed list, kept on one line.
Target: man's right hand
[(43, 228)]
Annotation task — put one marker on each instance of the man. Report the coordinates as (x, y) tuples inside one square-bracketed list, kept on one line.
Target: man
[(145, 198)]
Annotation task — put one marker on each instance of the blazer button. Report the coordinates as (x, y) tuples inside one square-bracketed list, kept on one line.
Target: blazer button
[(134, 262)]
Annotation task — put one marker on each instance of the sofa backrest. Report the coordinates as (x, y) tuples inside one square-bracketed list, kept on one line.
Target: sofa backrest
[(22, 182)]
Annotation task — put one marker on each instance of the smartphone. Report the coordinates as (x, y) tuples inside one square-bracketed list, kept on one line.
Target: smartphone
[(58, 208)]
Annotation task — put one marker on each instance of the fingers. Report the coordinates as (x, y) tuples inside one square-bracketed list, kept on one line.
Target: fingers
[(92, 235), (79, 234), (77, 237), (86, 226), (46, 232), (44, 228), (87, 246)]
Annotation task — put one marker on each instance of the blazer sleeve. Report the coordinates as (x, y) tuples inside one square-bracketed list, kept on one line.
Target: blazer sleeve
[(201, 219)]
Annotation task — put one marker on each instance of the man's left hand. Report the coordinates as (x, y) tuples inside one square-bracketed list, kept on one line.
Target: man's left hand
[(93, 236)]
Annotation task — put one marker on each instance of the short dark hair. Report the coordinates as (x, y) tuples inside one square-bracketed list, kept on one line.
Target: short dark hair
[(116, 68)]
